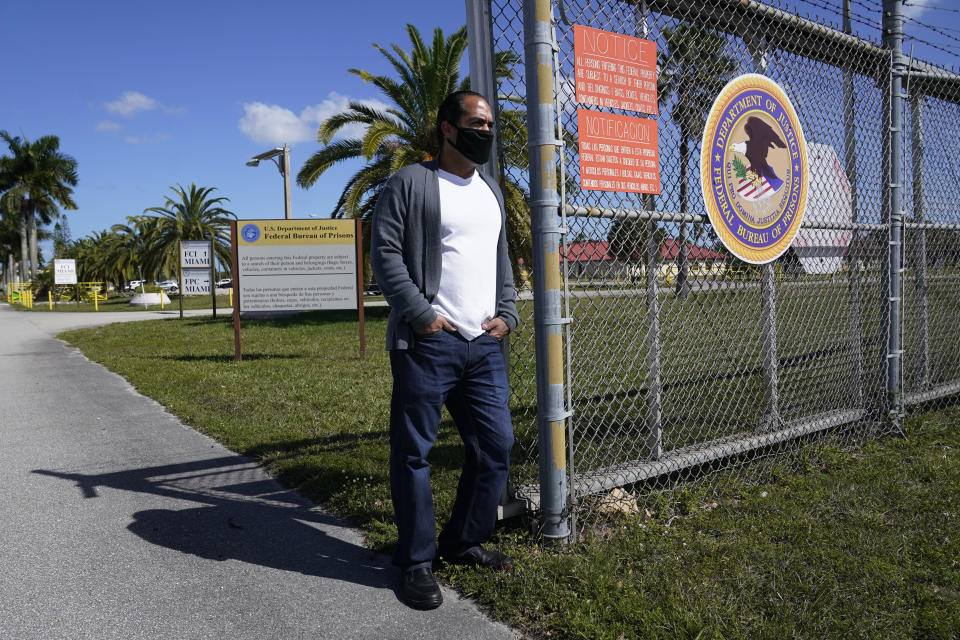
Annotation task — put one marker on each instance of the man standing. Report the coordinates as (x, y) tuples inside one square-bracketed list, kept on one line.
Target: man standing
[(439, 253)]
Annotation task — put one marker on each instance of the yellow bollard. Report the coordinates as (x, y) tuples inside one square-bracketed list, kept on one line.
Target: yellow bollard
[(231, 297), (50, 300), (161, 300), (95, 298)]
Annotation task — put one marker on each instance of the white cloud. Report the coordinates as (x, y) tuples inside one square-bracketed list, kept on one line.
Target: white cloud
[(130, 103), (917, 8), (107, 125), (154, 139), (337, 103), (273, 124)]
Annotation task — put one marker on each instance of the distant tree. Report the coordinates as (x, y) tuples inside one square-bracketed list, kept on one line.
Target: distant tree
[(130, 249), (628, 240), (61, 236), (91, 254), (36, 179), (191, 215), (9, 244), (693, 70)]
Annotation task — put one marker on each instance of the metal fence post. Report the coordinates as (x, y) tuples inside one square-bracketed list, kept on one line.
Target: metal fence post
[(654, 389), (920, 259), (768, 302), (893, 41), (547, 285), (850, 168), (771, 377), (483, 80), (482, 77)]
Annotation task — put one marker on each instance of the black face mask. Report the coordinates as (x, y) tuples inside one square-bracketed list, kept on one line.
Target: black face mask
[(474, 144)]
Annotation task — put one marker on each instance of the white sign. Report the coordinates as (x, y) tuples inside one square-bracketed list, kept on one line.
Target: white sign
[(65, 271), (287, 265), (196, 282), (195, 254), (828, 203)]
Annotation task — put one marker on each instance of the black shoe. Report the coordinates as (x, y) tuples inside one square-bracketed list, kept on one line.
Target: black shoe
[(420, 590), (479, 557)]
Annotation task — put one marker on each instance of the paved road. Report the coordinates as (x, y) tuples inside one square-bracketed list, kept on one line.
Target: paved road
[(120, 522)]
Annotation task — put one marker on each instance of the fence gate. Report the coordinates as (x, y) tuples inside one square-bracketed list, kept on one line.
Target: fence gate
[(647, 355)]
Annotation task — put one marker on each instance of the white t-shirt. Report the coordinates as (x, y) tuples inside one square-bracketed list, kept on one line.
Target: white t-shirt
[(469, 231)]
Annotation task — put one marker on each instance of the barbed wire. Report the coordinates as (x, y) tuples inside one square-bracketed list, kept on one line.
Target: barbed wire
[(929, 8), (859, 18), (838, 9), (936, 30), (952, 51)]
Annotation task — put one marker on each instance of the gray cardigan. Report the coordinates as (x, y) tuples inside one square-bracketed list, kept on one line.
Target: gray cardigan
[(405, 252)]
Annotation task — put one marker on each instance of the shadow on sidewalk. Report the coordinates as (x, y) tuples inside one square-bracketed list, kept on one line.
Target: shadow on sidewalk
[(242, 516)]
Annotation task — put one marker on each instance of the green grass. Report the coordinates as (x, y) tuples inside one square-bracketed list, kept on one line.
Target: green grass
[(863, 545), (860, 545)]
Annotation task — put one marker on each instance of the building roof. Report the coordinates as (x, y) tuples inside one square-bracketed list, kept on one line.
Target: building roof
[(590, 251), (670, 248)]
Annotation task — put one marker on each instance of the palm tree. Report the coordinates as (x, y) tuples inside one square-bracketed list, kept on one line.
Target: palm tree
[(92, 255), (36, 179), (9, 245), (129, 249), (193, 215), (693, 70), (405, 133)]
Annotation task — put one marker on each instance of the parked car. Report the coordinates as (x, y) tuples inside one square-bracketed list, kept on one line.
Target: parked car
[(225, 283), (169, 285), (135, 284)]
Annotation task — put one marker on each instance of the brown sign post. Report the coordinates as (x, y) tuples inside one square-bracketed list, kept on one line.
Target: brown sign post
[(235, 276), (363, 338)]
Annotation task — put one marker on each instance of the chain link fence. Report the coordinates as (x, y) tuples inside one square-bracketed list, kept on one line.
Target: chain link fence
[(681, 360)]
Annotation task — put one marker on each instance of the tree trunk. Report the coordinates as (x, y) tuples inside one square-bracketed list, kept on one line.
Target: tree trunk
[(683, 287), (23, 248), (34, 250)]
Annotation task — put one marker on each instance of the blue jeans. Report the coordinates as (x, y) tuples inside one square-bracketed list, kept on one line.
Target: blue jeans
[(471, 379)]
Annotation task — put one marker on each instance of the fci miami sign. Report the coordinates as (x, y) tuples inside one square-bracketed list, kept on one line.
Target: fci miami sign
[(754, 169)]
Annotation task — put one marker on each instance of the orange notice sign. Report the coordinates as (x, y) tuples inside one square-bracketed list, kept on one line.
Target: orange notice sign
[(613, 70), (618, 153)]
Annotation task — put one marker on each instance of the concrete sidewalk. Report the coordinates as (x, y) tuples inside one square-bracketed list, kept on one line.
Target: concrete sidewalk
[(120, 522)]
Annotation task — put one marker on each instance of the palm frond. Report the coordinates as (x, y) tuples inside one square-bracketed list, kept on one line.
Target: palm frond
[(322, 160)]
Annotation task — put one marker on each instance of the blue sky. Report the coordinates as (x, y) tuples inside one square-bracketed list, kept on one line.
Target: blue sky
[(148, 95)]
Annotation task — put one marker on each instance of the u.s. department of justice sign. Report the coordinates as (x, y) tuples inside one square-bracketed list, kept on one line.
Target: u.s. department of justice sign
[(754, 168)]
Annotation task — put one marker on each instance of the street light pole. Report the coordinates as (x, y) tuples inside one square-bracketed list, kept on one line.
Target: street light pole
[(286, 181), (283, 165)]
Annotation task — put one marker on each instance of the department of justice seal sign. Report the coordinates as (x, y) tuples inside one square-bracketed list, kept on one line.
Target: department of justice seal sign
[(250, 233), (754, 169)]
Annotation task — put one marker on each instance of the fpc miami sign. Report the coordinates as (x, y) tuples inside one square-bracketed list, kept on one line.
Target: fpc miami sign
[(64, 271), (196, 262)]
